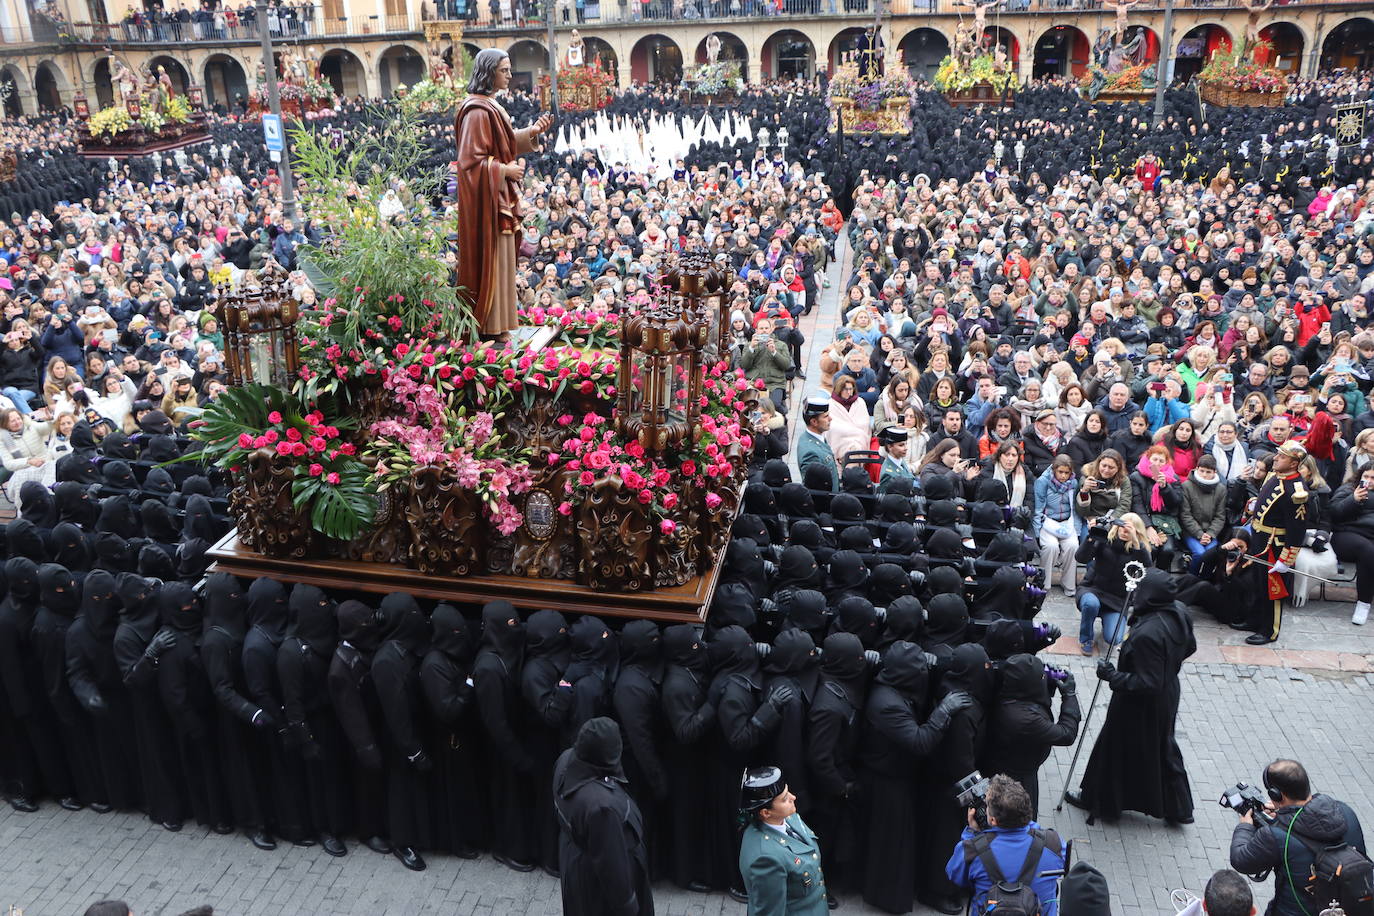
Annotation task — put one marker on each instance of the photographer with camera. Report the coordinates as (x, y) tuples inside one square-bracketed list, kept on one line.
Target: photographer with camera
[(767, 359), (1109, 546), (1303, 835), (1004, 863)]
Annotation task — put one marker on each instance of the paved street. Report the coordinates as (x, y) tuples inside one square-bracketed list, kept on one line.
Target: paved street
[(1235, 718)]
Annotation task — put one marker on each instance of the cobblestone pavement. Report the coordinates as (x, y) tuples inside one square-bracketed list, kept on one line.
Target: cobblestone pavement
[(1234, 719)]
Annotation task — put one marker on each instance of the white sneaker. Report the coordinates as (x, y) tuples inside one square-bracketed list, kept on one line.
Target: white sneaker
[(1361, 613)]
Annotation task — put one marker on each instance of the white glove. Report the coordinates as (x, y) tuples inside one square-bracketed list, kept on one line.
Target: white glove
[(1280, 568)]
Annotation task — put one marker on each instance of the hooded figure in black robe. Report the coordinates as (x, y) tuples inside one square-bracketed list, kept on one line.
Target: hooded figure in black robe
[(905, 621), (355, 704), (747, 718), (846, 577), (510, 761), (187, 698), (833, 725), (313, 737), (37, 758), (1136, 764), (242, 725), (159, 524), (285, 792), (461, 815), (794, 661), (603, 859), (807, 533), (24, 539), (592, 671), (690, 718), (58, 602), (39, 507), (968, 673), (75, 504), (137, 648), (68, 547), (896, 740), (396, 675), (889, 583), (550, 699), (117, 516), (98, 686), (636, 703), (1021, 727)]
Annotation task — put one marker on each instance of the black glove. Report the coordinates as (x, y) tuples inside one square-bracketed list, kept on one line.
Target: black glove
[(263, 721), (1068, 687), (1049, 631), (1105, 670), (96, 705), (160, 643), (420, 760), (953, 703), (370, 757), (780, 696)]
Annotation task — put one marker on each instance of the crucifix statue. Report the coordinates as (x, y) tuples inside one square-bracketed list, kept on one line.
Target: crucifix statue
[(980, 17)]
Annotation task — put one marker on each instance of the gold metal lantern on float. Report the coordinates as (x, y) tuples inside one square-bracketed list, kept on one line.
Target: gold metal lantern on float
[(258, 319)]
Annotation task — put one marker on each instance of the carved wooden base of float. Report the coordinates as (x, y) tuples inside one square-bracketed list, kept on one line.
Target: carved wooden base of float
[(893, 116), (981, 94), (139, 143), (1122, 95), (683, 604), (1226, 96)]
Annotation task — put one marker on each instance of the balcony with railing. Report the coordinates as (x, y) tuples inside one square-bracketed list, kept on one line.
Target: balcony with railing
[(236, 27), (518, 15)]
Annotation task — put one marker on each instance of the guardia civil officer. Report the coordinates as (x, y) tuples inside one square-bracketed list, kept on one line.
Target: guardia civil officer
[(779, 856)]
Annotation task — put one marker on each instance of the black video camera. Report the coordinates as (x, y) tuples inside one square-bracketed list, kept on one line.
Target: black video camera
[(972, 792), (1244, 798)]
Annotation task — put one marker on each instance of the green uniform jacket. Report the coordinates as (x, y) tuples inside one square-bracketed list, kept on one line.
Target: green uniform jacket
[(782, 871), (892, 470), (811, 450)]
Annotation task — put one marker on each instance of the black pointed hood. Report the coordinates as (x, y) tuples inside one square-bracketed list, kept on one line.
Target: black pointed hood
[(794, 500), (684, 647), (403, 622), (312, 619), (358, 626), (21, 576), (117, 445), (75, 504), (138, 603), (901, 539), (153, 563), (946, 621), (797, 568), (57, 590), (843, 665), (99, 605), (808, 609), (200, 520), (159, 523), (450, 633), (546, 636), (641, 646), (731, 651), (906, 671), (224, 604), (503, 633), (1023, 678), (68, 547), (159, 483), (775, 473), (180, 608), (890, 582), (858, 616), (794, 655), (39, 507), (119, 475), (906, 620), (1004, 639), (969, 670), (24, 540), (268, 608), (117, 517)]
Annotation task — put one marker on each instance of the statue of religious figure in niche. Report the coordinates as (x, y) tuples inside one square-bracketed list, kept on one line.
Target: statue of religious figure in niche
[(489, 204), (577, 52)]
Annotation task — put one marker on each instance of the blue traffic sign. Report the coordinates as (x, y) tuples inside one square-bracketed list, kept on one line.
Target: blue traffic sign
[(272, 132)]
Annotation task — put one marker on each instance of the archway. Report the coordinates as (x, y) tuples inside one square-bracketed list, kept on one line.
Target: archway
[(225, 81), (10, 83), (922, 50), (787, 55), (344, 72), (180, 79), (48, 83), (995, 35), (843, 47), (731, 48), (1061, 51), (400, 65), (1349, 45), (1288, 43), (600, 50), (1197, 45), (528, 61), (656, 59)]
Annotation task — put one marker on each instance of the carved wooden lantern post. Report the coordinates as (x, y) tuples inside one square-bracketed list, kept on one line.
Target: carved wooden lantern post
[(659, 387), (259, 324)]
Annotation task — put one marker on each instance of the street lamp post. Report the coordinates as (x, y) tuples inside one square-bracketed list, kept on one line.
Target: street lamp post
[(1163, 74), (553, 58), (269, 66)]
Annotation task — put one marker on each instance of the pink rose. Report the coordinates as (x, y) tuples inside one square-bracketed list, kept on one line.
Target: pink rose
[(670, 501), (646, 496), (333, 478), (316, 470), (598, 460), (713, 501), (274, 417), (245, 440), (564, 509), (667, 526)]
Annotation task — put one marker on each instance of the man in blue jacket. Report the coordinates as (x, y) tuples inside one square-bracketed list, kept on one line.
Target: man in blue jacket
[(1008, 838)]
